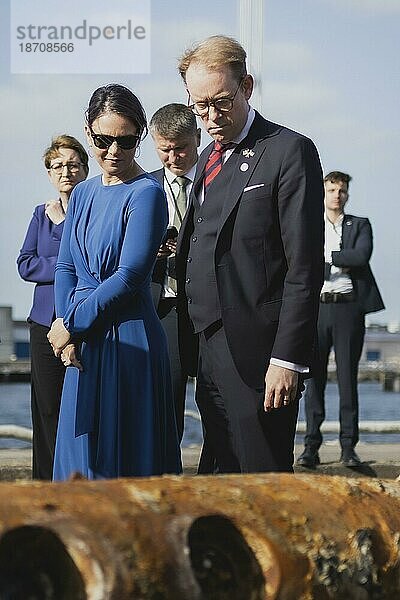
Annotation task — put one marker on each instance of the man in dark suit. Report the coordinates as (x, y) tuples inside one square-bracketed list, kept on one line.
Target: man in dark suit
[(249, 267), (348, 294), (176, 138)]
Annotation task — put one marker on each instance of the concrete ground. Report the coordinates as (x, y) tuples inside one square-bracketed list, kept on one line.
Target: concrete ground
[(379, 460)]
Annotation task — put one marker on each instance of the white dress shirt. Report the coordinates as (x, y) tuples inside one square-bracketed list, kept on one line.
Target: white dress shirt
[(339, 282), (171, 188)]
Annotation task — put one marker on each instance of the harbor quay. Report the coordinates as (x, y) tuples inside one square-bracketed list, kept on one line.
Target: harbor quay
[(380, 461)]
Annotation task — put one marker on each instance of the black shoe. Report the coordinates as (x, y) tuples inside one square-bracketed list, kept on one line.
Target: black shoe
[(349, 458), (309, 459)]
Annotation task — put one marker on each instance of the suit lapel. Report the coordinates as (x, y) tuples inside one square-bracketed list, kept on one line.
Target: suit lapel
[(197, 182), (159, 175), (201, 164), (242, 169), (161, 264), (242, 164), (347, 231)]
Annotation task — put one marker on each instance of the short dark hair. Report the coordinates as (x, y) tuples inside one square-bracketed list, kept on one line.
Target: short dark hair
[(337, 176), (116, 98), (173, 121), (65, 141)]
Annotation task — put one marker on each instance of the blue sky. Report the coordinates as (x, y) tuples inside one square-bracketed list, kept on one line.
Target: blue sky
[(331, 70)]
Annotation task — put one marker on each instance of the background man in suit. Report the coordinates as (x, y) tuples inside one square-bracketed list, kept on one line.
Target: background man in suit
[(176, 138), (249, 266), (348, 294)]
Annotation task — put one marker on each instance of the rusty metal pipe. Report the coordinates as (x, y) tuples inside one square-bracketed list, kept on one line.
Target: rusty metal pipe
[(276, 536)]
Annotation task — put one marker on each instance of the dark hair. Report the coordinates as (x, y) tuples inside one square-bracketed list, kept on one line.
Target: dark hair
[(65, 141), (115, 98), (337, 176), (173, 121)]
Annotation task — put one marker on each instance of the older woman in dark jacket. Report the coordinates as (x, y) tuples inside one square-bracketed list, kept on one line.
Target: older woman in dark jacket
[(66, 162)]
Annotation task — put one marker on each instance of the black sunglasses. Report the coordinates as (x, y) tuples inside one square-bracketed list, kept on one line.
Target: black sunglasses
[(126, 142)]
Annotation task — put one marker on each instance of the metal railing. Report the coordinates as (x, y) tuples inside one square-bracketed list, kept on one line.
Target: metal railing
[(364, 427), (17, 432), (334, 426)]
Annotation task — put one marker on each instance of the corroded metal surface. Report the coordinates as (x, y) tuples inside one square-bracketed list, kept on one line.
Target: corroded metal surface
[(273, 536)]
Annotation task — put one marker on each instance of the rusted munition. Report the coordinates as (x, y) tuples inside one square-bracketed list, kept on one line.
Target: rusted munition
[(286, 537)]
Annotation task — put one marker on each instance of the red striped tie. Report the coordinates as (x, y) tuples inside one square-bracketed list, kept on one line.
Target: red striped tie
[(214, 163)]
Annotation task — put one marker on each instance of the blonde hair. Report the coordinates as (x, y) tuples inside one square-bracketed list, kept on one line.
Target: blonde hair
[(213, 53), (65, 141)]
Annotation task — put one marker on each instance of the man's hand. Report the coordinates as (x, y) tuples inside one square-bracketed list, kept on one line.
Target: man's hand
[(54, 211), (171, 245), (168, 248), (69, 357), (280, 387), (58, 336), (163, 251)]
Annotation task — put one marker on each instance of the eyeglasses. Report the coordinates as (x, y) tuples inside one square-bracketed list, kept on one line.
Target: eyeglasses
[(103, 142), (73, 167), (202, 108)]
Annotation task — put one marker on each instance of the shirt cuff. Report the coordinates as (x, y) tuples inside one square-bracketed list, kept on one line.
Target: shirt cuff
[(289, 365)]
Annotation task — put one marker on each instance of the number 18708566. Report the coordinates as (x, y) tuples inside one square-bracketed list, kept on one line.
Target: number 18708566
[(46, 47)]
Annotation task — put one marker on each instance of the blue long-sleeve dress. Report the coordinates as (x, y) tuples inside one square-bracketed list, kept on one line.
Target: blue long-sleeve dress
[(117, 415)]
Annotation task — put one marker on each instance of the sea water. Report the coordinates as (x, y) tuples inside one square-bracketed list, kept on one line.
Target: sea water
[(375, 405)]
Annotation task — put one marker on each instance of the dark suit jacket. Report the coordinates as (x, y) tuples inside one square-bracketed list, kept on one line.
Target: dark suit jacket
[(356, 250), (160, 267), (269, 251)]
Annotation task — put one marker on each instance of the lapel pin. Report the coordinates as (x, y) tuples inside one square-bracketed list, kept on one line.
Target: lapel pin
[(248, 153), (244, 167), (349, 222)]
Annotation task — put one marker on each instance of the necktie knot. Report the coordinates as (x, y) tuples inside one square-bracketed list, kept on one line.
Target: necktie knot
[(221, 148), (214, 163), (182, 182)]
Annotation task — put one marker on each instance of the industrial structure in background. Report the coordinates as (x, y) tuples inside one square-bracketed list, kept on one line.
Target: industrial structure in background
[(380, 359)]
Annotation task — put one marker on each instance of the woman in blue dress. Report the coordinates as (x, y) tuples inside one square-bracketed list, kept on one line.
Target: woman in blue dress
[(117, 415)]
